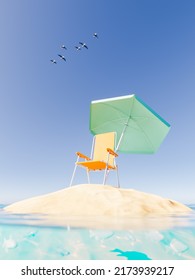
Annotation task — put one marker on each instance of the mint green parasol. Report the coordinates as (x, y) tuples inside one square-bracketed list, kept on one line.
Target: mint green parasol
[(139, 129)]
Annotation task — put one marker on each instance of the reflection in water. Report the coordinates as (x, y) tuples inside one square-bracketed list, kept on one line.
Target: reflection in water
[(35, 237)]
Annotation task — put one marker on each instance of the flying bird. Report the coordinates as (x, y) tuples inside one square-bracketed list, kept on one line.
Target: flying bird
[(62, 57), (78, 48), (63, 47), (95, 35), (53, 61), (83, 45)]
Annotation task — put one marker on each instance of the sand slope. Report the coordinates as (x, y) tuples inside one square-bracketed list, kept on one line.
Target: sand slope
[(98, 200)]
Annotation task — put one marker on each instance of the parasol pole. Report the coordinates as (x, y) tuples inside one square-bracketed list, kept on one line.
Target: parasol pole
[(122, 134), (121, 137)]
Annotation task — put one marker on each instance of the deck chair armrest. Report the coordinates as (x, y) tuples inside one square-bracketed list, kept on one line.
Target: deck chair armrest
[(82, 156), (110, 151)]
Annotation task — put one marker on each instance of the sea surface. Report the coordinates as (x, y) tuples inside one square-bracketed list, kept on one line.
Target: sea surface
[(24, 237)]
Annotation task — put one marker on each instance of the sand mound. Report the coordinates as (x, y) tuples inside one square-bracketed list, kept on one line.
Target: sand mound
[(98, 200)]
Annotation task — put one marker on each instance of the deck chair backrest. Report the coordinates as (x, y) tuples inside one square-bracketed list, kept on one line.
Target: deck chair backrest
[(101, 143)]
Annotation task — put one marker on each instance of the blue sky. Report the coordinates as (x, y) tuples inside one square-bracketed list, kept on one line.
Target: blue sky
[(144, 47)]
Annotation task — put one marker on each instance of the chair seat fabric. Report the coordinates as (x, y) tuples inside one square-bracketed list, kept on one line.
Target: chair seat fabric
[(95, 165)]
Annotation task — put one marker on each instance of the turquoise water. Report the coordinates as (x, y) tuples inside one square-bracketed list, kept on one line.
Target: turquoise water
[(30, 237)]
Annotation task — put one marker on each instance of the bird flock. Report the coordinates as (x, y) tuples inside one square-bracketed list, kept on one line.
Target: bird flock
[(79, 47)]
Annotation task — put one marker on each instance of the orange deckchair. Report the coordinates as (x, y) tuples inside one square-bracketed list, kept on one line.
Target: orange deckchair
[(102, 156)]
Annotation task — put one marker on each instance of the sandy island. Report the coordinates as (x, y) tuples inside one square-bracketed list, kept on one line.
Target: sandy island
[(98, 200)]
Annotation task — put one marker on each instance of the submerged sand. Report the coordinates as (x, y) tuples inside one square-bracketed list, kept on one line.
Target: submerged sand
[(91, 200)]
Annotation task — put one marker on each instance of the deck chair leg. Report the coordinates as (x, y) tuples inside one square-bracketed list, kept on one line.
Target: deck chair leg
[(117, 177), (73, 174), (105, 176), (106, 169), (104, 180), (88, 179)]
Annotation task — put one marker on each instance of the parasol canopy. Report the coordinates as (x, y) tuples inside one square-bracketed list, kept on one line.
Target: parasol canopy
[(139, 128)]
